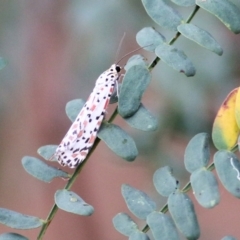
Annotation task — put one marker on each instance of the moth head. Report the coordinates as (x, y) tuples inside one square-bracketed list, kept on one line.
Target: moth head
[(118, 68)]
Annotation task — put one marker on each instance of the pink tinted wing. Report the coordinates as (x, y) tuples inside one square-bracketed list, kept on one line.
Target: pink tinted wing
[(83, 132), (80, 137)]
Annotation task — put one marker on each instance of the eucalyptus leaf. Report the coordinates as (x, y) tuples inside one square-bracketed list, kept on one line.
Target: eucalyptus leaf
[(205, 188), (184, 3), (225, 11), (162, 14), (71, 202), (12, 236), (18, 221), (138, 235), (124, 224), (143, 120), (228, 169), (118, 141), (228, 238), (3, 63), (201, 37), (41, 170), (197, 153), (73, 108), (47, 152), (138, 202), (176, 59), (162, 226), (164, 182), (135, 60), (182, 210), (149, 36), (134, 84)]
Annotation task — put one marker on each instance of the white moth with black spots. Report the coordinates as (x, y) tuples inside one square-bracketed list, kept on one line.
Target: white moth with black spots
[(80, 137)]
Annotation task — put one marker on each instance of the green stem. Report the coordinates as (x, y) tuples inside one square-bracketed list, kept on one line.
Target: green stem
[(178, 34), (69, 184)]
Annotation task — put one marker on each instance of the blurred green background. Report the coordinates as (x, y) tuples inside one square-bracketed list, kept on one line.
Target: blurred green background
[(55, 50)]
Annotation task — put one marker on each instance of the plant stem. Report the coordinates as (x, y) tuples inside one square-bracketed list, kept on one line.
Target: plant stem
[(178, 34), (69, 184)]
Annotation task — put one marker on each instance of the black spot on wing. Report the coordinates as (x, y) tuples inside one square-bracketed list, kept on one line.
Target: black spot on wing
[(76, 150)]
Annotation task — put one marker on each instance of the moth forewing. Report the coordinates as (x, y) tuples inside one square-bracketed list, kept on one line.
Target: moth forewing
[(81, 136)]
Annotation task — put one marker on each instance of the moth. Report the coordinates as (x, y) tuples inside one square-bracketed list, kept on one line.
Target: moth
[(79, 139)]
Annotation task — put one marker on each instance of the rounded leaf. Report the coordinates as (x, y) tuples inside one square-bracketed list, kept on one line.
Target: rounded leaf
[(225, 11), (19, 221), (143, 120), (73, 108), (201, 37), (182, 210), (12, 236), (41, 170), (124, 224), (47, 151), (134, 84), (3, 63), (118, 141), (164, 182), (149, 36), (184, 3), (176, 59), (162, 14), (138, 235), (197, 153), (71, 202), (228, 238), (138, 202), (225, 129), (135, 60), (228, 169), (205, 188), (162, 226)]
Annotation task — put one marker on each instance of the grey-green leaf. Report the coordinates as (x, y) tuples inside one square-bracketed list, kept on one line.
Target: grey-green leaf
[(12, 236), (138, 202), (184, 3), (205, 188), (19, 221), (201, 37), (47, 151), (135, 82), (197, 153), (3, 63), (124, 224), (228, 238), (228, 169), (149, 36), (138, 235), (71, 202), (164, 182), (41, 170), (225, 11), (182, 210), (143, 120), (162, 226), (73, 108), (135, 60), (118, 141), (176, 59), (162, 14)]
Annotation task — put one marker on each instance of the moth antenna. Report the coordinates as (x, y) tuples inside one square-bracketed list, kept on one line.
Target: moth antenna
[(119, 46), (132, 52)]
